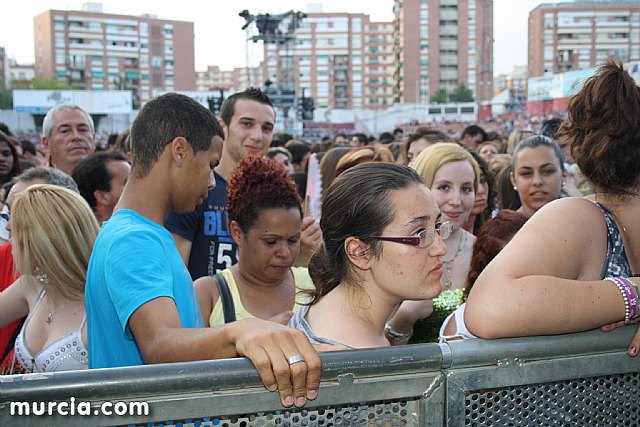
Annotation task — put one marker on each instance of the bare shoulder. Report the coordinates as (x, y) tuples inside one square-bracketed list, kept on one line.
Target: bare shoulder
[(563, 239), (206, 286), (569, 214), (28, 287)]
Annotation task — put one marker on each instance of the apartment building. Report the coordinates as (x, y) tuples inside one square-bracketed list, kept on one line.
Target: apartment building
[(234, 80), (214, 79), (516, 79), (20, 73), (573, 36), (98, 51), (325, 60), (378, 65), (440, 44), (342, 60)]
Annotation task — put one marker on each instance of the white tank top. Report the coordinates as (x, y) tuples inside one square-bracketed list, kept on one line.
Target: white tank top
[(461, 329), (65, 354)]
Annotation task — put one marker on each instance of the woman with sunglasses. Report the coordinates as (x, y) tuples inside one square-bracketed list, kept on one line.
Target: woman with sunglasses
[(382, 245)]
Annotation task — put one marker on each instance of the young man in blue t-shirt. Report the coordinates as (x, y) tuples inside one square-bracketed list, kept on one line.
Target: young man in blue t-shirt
[(140, 301)]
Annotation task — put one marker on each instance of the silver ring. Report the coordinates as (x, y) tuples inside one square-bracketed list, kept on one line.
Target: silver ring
[(295, 359)]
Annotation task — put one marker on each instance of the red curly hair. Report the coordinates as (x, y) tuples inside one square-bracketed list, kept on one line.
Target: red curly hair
[(257, 184), (492, 237)]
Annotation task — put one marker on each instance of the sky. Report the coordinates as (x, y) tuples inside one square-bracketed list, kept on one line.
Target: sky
[(220, 41)]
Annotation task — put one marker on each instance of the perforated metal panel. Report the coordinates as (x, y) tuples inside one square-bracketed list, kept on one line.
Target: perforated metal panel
[(382, 414), (597, 401)]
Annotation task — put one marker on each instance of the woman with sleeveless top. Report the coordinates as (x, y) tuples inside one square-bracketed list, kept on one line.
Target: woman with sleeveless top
[(581, 253), (265, 220), (53, 232), (382, 245)]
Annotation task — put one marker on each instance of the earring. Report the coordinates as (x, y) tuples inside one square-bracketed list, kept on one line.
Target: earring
[(515, 188), (40, 276)]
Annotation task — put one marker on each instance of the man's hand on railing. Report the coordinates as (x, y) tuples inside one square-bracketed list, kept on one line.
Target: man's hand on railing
[(284, 358)]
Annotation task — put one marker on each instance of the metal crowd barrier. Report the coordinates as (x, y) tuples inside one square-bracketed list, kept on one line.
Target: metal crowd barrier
[(578, 379)]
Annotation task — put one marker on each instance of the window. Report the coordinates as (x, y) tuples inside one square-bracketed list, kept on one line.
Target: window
[(549, 20), (356, 25)]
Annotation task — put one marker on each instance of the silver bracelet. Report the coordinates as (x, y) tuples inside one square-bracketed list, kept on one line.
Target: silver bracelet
[(395, 335)]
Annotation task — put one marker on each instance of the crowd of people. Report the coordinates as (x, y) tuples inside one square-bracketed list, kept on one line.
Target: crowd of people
[(191, 238)]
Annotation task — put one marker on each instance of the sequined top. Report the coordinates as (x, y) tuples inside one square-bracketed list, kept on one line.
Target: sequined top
[(65, 354), (616, 262)]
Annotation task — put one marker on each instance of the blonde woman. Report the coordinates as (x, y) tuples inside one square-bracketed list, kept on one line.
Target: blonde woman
[(53, 232), (452, 175)]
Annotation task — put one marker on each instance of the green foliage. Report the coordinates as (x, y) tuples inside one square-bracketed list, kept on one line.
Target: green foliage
[(45, 84), (460, 94), (441, 96), (6, 98)]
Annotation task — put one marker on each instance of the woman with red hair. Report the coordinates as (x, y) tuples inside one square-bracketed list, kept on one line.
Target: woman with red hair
[(265, 221)]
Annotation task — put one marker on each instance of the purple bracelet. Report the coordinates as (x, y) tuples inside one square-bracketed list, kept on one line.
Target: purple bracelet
[(634, 309), (628, 295)]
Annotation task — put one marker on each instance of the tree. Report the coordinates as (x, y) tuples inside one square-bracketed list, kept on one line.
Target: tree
[(461, 93), (6, 98), (441, 96), (44, 84)]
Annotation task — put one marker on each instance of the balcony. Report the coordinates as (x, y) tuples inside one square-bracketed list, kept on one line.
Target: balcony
[(122, 48), (449, 30)]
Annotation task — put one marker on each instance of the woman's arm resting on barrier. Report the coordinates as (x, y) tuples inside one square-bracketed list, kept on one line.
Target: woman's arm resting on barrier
[(157, 330), (540, 283)]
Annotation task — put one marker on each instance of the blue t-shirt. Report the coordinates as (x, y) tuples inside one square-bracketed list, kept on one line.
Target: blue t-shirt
[(134, 261), (212, 248)]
